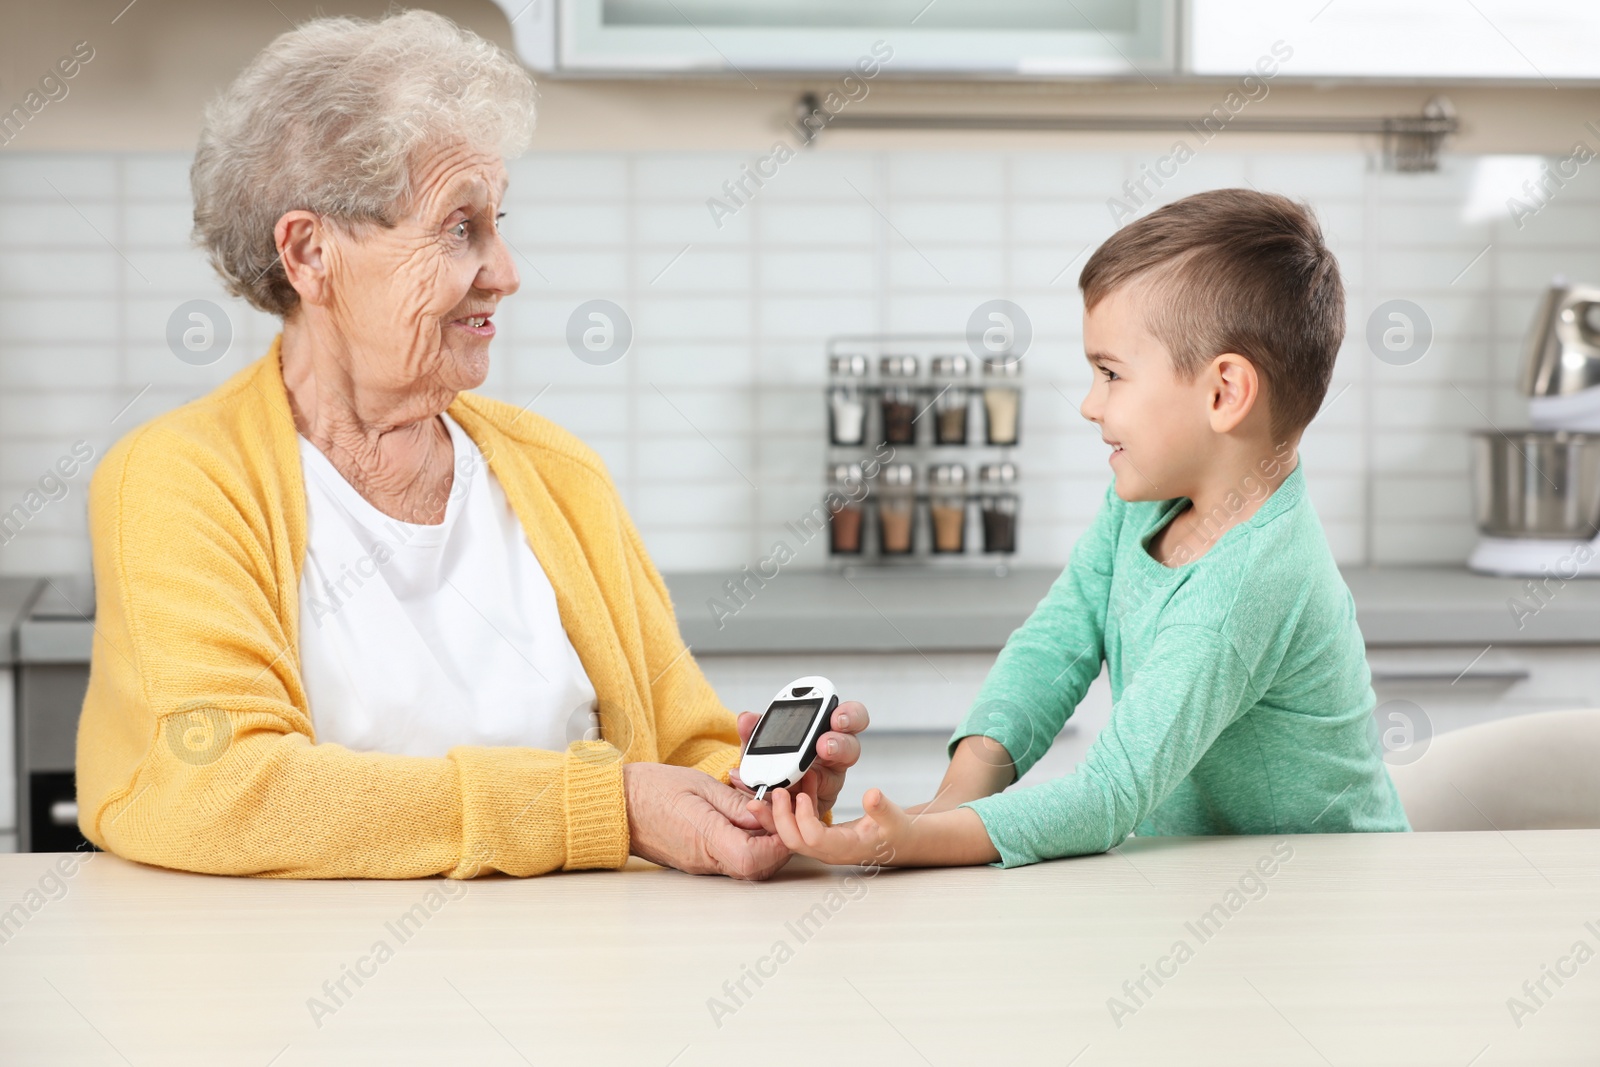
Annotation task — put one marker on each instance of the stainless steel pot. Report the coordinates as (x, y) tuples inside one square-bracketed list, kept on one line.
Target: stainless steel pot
[(1537, 483)]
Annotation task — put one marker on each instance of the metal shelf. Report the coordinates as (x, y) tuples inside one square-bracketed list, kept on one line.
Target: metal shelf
[(1410, 142)]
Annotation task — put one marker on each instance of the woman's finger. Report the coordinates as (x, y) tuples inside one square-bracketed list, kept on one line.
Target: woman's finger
[(742, 855), (850, 717), (747, 723), (729, 803), (838, 750), (767, 857), (763, 812)]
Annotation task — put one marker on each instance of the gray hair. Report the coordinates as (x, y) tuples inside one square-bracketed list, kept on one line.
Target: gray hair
[(331, 117)]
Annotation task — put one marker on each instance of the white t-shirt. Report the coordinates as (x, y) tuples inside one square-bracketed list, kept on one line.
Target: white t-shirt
[(415, 639)]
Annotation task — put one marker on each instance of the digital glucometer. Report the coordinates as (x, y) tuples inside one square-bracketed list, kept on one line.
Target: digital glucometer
[(784, 742)]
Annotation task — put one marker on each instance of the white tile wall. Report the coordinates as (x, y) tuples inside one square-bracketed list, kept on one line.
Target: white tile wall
[(713, 423)]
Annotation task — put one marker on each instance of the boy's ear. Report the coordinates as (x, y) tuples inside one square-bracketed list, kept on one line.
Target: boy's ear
[(1235, 388)]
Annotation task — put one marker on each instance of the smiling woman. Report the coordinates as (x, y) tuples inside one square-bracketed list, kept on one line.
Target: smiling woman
[(355, 621)]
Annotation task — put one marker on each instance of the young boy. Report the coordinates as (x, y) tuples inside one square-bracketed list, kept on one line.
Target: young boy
[(1241, 697)]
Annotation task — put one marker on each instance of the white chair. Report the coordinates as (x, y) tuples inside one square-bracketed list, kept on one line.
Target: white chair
[(1528, 772)]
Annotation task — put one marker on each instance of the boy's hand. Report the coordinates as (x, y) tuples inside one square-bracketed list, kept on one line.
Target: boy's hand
[(837, 751), (886, 836), (871, 839)]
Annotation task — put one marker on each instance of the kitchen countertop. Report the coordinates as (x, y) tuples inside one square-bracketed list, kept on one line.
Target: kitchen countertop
[(1452, 605), (1337, 948), (15, 596), (59, 627), (893, 610), (904, 610)]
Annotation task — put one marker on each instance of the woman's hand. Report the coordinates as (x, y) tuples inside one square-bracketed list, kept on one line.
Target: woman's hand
[(886, 836), (684, 818), (837, 751)]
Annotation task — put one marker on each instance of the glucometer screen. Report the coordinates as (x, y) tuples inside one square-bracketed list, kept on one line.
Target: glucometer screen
[(783, 728)]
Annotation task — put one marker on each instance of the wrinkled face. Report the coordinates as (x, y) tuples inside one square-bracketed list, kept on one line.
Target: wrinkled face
[(1155, 422), (416, 300)]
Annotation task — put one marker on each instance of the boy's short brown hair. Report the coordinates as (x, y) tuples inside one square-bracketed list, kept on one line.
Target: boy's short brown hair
[(1234, 270)]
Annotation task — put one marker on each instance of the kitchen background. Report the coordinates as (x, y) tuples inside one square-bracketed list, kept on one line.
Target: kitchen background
[(713, 423)]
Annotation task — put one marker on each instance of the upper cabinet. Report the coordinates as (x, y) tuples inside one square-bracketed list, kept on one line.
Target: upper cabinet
[(981, 37), (1457, 40), (1552, 41)]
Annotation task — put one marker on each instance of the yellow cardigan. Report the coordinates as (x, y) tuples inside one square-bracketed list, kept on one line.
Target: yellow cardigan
[(196, 748)]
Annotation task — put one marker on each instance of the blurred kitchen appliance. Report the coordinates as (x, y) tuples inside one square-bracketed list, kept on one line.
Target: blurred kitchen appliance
[(1561, 360), (1537, 491), (52, 650)]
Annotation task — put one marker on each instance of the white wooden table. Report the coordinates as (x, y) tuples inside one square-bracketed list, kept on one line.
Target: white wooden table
[(1357, 950)]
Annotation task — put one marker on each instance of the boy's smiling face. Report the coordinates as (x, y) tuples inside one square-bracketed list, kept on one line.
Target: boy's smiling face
[(1156, 422)]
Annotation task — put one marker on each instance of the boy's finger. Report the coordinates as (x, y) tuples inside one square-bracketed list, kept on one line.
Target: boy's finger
[(783, 819), (885, 812), (812, 831)]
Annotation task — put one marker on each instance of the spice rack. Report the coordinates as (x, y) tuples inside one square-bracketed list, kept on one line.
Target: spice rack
[(921, 433)]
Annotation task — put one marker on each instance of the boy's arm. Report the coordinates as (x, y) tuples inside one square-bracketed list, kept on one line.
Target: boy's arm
[(1193, 686), (1047, 665), (980, 766)]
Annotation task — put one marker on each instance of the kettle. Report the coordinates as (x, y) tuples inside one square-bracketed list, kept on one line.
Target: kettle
[(1562, 355)]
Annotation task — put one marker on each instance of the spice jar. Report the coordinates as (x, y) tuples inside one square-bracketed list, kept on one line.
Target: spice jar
[(997, 500), (846, 506), (947, 507), (1002, 400), (950, 403), (897, 507), (898, 376), (847, 399)]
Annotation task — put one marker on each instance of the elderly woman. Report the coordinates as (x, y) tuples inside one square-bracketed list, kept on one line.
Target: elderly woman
[(355, 621)]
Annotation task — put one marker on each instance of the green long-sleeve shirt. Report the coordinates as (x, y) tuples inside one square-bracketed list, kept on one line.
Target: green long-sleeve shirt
[(1241, 699)]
